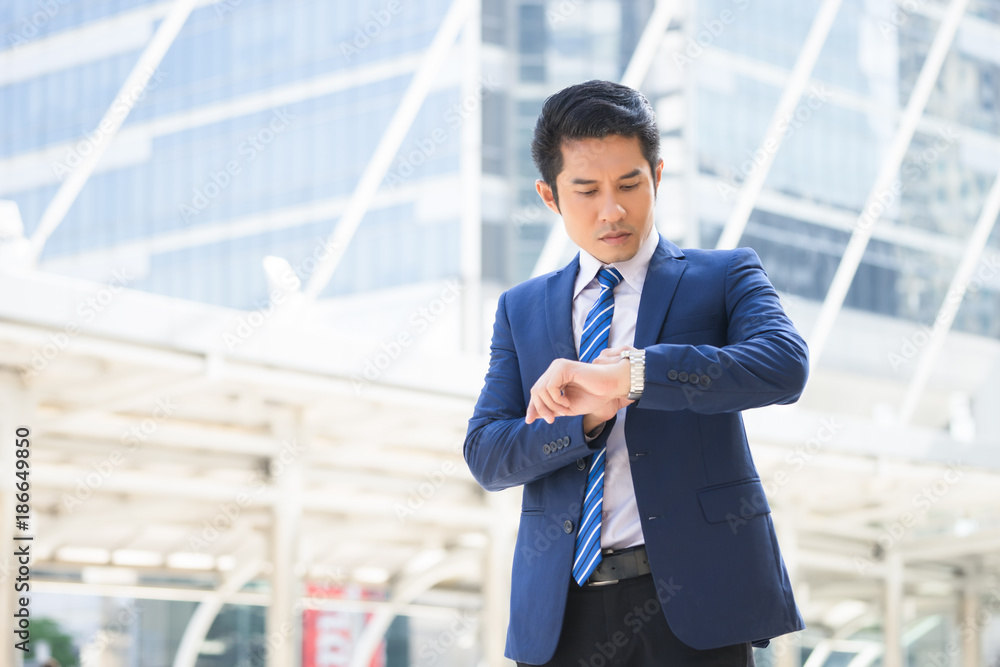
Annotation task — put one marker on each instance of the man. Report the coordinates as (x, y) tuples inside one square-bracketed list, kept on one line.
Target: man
[(613, 396)]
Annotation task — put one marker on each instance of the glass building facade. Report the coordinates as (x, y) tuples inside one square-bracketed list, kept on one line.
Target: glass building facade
[(251, 135), (247, 141), (841, 130)]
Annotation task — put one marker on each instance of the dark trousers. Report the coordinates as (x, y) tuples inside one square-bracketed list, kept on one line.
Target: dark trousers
[(622, 625)]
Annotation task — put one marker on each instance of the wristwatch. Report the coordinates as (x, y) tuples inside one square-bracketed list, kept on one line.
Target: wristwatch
[(637, 372)]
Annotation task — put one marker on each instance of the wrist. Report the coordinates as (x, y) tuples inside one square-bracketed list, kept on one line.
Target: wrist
[(623, 376), (591, 423)]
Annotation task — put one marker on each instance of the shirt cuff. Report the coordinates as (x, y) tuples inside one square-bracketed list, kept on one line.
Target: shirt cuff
[(595, 434)]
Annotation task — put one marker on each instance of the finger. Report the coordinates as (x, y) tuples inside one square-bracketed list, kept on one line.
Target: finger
[(546, 392), (541, 409), (548, 388), (556, 397), (551, 408), (611, 355)]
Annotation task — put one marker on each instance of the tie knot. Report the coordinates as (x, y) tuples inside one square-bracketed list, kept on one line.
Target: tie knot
[(609, 277)]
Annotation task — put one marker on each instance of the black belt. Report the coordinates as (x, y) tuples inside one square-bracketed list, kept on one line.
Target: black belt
[(618, 565)]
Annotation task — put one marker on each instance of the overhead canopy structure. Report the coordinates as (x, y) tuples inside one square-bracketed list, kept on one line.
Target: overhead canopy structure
[(160, 446)]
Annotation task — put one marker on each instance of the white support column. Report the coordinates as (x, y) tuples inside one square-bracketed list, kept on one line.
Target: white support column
[(971, 628), (283, 622), (471, 172), (893, 611), (496, 578), (635, 74), (111, 122), (953, 299), (787, 649), (388, 145), (886, 187), (14, 412), (778, 128), (690, 235)]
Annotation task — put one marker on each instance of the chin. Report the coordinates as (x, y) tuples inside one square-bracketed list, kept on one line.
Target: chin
[(612, 255)]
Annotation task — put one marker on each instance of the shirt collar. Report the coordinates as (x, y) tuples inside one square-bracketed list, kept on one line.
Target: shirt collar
[(632, 270)]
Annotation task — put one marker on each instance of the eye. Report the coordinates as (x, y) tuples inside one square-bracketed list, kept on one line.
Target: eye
[(588, 192), (630, 187)]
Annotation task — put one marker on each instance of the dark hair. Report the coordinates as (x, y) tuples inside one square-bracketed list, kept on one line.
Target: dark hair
[(593, 109)]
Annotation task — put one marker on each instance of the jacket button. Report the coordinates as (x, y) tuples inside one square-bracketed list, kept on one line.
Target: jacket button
[(546, 449), (672, 375), (682, 376), (705, 381), (568, 526), (694, 378), (580, 464)]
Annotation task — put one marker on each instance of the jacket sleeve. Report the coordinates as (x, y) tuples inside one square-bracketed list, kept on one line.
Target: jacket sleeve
[(764, 360), (500, 448)]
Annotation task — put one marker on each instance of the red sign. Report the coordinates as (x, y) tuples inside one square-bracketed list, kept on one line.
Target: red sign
[(329, 637)]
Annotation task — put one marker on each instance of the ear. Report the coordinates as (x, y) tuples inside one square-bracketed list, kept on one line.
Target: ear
[(545, 192), (657, 175)]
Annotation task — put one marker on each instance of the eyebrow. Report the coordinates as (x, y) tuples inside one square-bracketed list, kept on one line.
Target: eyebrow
[(583, 181)]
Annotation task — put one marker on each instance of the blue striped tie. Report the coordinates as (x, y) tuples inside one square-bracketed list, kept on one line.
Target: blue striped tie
[(596, 334)]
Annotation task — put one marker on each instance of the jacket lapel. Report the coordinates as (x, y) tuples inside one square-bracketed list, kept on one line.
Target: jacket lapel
[(559, 309), (664, 272)]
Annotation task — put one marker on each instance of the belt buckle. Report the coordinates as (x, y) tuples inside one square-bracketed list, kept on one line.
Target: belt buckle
[(604, 552), (602, 583)]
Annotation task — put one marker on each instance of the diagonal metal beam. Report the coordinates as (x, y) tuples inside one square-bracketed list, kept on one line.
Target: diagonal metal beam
[(883, 189), (953, 300), (388, 145), (649, 41), (408, 588), (201, 621), (111, 122), (635, 73), (778, 127)]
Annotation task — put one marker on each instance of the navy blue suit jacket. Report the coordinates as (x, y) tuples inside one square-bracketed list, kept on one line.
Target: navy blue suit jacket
[(717, 342)]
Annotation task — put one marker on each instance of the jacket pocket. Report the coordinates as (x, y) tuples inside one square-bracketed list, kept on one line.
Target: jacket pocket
[(532, 510), (735, 500)]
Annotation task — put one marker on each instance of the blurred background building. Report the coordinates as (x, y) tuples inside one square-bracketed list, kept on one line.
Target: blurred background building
[(250, 252)]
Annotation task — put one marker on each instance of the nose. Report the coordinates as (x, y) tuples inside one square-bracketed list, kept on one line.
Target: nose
[(611, 210)]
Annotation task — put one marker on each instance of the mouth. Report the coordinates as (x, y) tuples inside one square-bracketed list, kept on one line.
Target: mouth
[(616, 238)]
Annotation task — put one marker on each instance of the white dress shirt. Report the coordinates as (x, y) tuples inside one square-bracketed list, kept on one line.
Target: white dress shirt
[(620, 526)]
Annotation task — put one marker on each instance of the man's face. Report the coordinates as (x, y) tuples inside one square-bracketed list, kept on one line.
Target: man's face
[(606, 195)]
